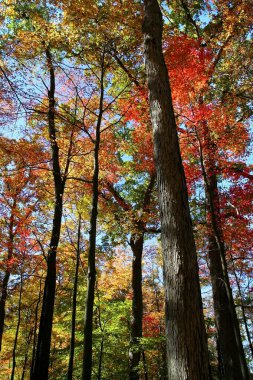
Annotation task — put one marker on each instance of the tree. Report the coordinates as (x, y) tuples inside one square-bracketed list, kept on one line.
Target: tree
[(201, 117), (185, 329), (19, 198)]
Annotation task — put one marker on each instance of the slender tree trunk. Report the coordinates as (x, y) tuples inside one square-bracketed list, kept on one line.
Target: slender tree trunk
[(17, 328), (101, 358), (230, 342), (243, 309), (161, 362), (4, 290), (35, 330), (73, 322), (91, 281), (101, 352), (2, 304), (28, 341), (145, 367), (41, 365), (187, 353), (136, 243)]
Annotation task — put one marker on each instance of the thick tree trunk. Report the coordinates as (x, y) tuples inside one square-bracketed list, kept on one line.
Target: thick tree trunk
[(91, 281), (187, 353), (229, 338), (73, 321), (41, 365), (136, 243)]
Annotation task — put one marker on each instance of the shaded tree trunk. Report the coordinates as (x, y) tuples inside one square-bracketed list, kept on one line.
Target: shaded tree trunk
[(41, 364), (17, 328), (229, 337), (73, 321), (187, 353), (2, 304), (101, 352), (244, 317), (136, 243), (28, 341), (35, 331), (91, 281), (145, 367)]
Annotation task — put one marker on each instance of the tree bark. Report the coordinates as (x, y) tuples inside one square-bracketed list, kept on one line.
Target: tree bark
[(187, 353), (91, 281), (73, 321), (136, 243), (41, 365)]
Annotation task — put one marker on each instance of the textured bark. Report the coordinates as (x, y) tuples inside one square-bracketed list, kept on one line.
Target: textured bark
[(73, 321), (136, 243), (91, 281), (231, 350), (187, 353), (41, 364)]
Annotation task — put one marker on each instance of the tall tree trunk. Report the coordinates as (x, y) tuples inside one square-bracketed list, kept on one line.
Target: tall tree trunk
[(244, 317), (73, 321), (187, 353), (35, 330), (101, 352), (17, 328), (41, 365), (28, 341), (136, 243), (91, 281), (4, 290), (2, 303), (145, 367), (230, 342)]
